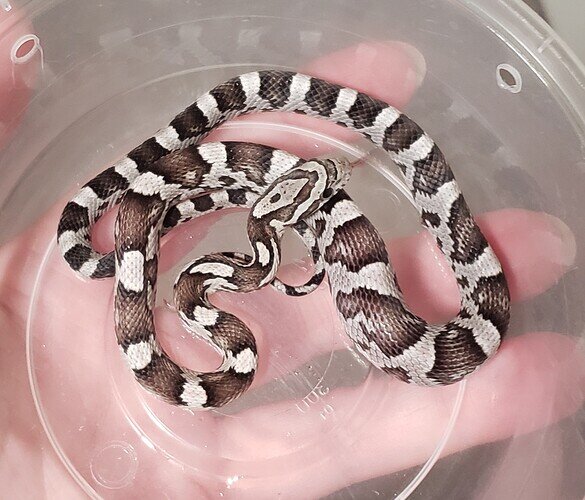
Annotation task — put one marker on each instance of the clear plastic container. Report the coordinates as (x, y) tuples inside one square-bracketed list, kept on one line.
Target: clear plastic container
[(498, 91)]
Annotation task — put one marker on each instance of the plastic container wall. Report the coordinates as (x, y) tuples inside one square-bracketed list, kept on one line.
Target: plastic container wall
[(498, 91)]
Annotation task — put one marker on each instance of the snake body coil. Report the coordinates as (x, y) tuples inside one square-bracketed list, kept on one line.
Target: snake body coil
[(352, 253)]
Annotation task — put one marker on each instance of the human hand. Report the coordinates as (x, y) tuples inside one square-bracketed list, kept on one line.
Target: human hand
[(276, 445)]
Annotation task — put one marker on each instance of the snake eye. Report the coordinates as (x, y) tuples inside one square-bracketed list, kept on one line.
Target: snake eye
[(327, 192), (275, 197)]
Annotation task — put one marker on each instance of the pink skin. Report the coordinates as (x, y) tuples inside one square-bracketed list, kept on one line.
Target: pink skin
[(536, 379)]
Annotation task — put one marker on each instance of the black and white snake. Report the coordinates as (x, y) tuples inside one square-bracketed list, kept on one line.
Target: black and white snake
[(169, 179)]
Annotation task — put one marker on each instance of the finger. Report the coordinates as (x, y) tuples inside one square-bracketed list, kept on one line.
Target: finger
[(390, 71), (537, 380), (535, 248)]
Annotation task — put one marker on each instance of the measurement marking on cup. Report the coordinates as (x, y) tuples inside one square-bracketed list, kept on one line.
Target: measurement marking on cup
[(314, 399)]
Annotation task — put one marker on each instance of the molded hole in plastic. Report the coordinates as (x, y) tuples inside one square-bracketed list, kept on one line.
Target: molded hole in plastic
[(509, 78), (25, 48)]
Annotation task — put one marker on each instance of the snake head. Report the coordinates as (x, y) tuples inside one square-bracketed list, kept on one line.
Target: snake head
[(301, 191)]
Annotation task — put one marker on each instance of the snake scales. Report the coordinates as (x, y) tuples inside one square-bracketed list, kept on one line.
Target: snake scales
[(171, 178)]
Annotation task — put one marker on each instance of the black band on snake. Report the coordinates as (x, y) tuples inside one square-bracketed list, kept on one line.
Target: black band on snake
[(160, 182)]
